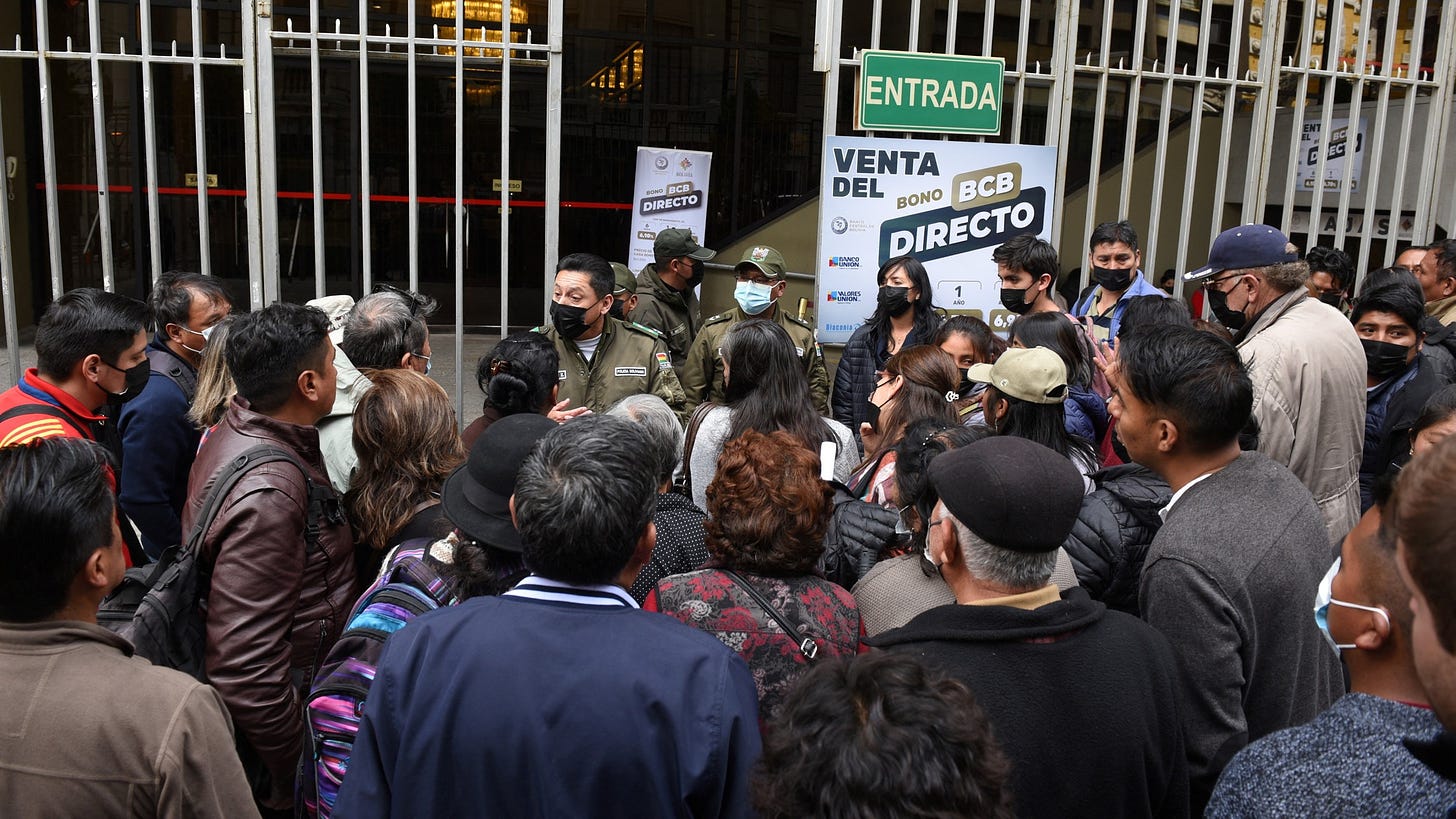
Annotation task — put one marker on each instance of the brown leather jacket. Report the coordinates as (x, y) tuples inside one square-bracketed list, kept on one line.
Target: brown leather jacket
[(274, 608)]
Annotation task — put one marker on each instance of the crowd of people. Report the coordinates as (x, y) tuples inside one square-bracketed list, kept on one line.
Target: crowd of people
[(1125, 561)]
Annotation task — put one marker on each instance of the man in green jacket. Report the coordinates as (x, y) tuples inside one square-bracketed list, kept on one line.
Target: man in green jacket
[(761, 283), (667, 300), (603, 359)]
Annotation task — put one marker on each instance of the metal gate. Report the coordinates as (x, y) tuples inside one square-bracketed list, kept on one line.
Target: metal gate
[(276, 70), (1190, 116)]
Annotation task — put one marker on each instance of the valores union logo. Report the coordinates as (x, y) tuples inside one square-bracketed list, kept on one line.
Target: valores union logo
[(844, 295)]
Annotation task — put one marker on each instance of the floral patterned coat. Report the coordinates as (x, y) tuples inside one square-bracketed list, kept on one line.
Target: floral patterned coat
[(710, 600)]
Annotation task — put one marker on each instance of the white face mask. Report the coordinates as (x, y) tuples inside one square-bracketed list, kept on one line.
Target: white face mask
[(1324, 598), (206, 334)]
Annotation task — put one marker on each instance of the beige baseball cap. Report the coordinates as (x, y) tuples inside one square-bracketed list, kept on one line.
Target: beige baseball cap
[(1033, 374)]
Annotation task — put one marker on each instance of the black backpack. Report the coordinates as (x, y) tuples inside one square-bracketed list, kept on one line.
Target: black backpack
[(159, 608)]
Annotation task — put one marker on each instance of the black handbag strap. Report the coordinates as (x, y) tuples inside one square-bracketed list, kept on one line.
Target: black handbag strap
[(684, 484), (807, 646)]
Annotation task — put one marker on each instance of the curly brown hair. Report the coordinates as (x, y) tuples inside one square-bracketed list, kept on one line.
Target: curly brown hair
[(767, 506), (408, 443)]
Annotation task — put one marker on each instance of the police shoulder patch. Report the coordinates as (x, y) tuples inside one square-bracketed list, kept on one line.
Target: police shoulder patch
[(663, 362), (642, 328)]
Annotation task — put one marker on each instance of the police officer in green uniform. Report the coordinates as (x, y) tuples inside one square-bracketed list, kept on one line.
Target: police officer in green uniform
[(666, 297), (624, 294), (603, 359), (761, 282)]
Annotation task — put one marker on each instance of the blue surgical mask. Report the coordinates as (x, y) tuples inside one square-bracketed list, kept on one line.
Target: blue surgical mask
[(1324, 598), (206, 334), (753, 297)]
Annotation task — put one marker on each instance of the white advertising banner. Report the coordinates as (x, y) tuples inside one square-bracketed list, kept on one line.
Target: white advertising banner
[(671, 192), (1344, 147), (948, 204)]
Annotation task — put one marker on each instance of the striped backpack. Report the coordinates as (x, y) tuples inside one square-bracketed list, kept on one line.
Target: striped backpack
[(409, 585)]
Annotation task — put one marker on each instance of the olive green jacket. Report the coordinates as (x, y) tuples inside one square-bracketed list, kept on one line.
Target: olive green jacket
[(669, 312), (702, 376), (628, 360)]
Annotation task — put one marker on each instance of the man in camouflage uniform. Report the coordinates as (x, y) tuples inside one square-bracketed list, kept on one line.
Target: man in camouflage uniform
[(666, 297), (761, 283), (603, 359)]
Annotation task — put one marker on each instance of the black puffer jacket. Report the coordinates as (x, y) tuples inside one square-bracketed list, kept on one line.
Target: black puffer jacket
[(854, 378), (1110, 538)]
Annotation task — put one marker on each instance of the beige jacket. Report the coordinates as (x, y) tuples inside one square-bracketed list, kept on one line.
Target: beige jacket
[(1443, 310), (1309, 395), (90, 730)]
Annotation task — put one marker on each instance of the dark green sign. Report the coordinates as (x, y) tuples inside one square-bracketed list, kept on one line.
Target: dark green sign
[(933, 93)]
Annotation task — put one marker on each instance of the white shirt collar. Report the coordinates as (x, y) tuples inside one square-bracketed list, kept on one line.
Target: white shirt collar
[(536, 587), (1163, 513)]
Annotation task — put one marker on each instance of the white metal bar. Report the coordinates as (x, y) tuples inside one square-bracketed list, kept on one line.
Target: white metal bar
[(1134, 103), (1440, 111), (1230, 100), (460, 203), (1408, 117), (1376, 154), (98, 129), (505, 167), (1352, 132), (427, 57), (149, 124), (829, 126), (1094, 167), (7, 266), (1297, 114), (316, 149), (1023, 35), (555, 16), (251, 156), (412, 161), (1064, 70), (199, 122), (1333, 47), (876, 13), (914, 38), (267, 168), (952, 12), (1195, 136), (365, 189), (48, 145), (1160, 163)]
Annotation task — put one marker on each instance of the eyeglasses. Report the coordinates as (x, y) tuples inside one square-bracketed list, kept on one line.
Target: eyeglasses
[(927, 566), (755, 278), (420, 356)]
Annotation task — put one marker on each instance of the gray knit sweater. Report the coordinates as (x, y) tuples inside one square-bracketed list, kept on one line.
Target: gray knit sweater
[(1230, 579), (1348, 762)]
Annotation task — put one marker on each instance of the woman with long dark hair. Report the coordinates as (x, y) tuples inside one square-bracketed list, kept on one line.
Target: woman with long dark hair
[(969, 341), (918, 383), (766, 390), (519, 375), (1025, 391), (1084, 410), (905, 315)]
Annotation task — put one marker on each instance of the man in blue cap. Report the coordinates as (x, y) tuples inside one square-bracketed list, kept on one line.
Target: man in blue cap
[(1305, 361)]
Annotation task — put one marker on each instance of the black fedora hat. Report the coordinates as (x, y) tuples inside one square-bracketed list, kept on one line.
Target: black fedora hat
[(477, 496)]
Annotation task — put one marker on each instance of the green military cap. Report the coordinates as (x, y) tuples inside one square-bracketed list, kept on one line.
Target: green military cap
[(626, 282), (673, 243), (768, 261)]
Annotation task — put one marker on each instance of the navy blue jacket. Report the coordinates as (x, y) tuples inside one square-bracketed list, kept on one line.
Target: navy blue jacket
[(1390, 412), (507, 706), (158, 445)]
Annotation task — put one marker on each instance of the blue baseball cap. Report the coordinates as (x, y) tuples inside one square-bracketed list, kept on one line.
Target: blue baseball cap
[(1243, 247)]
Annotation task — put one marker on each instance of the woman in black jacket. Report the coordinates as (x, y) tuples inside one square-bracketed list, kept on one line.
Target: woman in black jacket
[(904, 316)]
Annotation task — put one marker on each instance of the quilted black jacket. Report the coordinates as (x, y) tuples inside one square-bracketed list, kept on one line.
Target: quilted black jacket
[(854, 379), (1111, 536)]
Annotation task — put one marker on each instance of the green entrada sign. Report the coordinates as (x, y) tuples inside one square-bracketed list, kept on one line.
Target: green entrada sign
[(937, 93)]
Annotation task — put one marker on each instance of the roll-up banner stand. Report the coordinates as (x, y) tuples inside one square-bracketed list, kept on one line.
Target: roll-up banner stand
[(671, 192), (948, 204)]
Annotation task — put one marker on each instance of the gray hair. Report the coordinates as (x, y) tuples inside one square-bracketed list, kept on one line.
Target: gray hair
[(385, 325), (1284, 276), (665, 434), (584, 498), (1022, 571)]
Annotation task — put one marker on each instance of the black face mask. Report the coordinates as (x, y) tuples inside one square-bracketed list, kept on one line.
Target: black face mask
[(570, 321), (872, 415), (136, 381), (1331, 298), (1383, 359), (967, 386), (1014, 299), (1218, 302), (697, 277), (894, 300), (618, 310), (1112, 279)]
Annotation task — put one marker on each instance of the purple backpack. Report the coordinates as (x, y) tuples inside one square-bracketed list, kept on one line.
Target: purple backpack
[(409, 585)]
